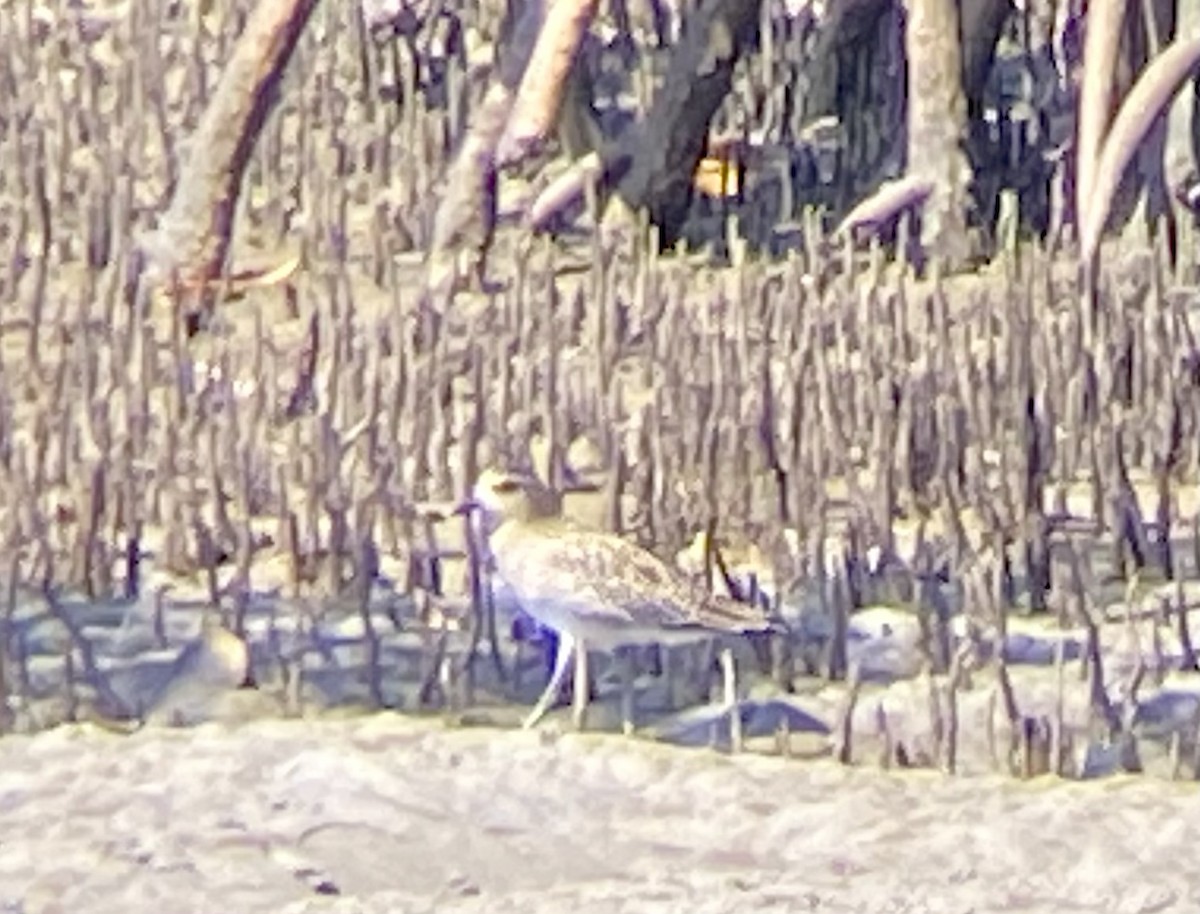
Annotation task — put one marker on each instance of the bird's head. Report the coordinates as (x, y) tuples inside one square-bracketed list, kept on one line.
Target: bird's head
[(500, 495)]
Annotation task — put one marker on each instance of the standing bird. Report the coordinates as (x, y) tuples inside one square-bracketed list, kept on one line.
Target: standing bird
[(594, 589)]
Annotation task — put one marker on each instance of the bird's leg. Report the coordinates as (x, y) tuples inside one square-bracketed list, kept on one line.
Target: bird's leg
[(566, 646), (731, 700), (625, 658), (667, 662), (580, 690), (672, 670)]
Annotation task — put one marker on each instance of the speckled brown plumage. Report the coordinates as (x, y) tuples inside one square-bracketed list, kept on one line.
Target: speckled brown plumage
[(591, 586)]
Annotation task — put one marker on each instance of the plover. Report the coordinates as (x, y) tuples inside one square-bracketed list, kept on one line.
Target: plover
[(207, 669), (199, 686), (594, 589)]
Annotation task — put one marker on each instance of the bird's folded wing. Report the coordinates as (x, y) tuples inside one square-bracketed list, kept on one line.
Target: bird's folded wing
[(608, 578)]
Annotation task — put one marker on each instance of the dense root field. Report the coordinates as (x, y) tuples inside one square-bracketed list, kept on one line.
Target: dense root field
[(946, 455)]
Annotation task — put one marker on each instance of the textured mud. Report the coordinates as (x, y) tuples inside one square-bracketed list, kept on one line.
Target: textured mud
[(394, 815)]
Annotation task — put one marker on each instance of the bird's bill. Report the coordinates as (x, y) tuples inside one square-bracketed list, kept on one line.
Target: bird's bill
[(465, 507), (582, 487)]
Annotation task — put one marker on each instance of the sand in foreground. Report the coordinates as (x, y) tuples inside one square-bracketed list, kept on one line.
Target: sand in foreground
[(394, 815)]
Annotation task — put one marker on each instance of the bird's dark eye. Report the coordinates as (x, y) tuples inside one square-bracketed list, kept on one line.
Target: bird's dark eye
[(507, 485)]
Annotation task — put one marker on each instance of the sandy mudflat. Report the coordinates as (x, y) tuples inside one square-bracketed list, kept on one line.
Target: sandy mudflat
[(399, 815)]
